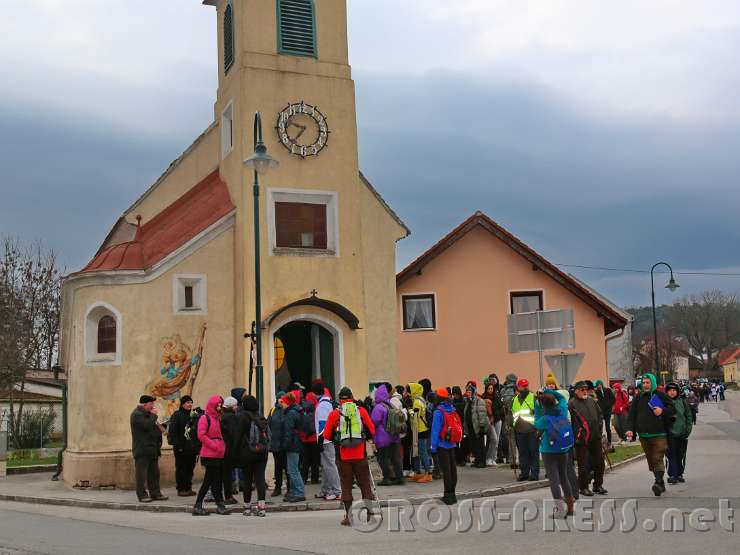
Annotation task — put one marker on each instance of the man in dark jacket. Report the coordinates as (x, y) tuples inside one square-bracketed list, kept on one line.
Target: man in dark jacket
[(290, 441), (586, 418), (605, 398), (184, 448), (146, 443), (678, 435), (650, 416)]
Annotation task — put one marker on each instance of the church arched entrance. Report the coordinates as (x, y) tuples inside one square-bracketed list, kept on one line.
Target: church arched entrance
[(306, 348)]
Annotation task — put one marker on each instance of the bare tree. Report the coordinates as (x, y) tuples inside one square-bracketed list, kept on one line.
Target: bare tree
[(709, 322), (30, 296)]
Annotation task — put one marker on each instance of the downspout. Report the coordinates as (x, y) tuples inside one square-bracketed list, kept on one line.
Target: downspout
[(58, 472)]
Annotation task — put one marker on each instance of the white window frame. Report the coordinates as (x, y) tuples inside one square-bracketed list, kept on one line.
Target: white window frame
[(227, 129), (330, 199), (435, 311), (92, 317), (199, 283)]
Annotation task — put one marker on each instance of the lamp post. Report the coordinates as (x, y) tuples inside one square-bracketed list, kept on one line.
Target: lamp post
[(672, 285), (260, 162)]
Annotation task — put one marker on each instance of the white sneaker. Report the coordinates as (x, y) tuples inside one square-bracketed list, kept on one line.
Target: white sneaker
[(491, 462), (330, 497), (407, 473), (560, 510)]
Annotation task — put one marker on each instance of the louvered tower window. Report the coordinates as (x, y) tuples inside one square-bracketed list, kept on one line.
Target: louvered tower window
[(228, 37), (296, 27)]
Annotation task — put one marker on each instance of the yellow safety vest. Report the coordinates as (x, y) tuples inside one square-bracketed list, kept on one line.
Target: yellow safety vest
[(525, 410)]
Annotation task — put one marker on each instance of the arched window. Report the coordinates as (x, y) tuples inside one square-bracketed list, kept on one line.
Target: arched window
[(228, 37), (107, 335), (296, 27)]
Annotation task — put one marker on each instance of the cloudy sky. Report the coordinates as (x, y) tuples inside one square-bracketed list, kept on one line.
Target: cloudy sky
[(602, 133)]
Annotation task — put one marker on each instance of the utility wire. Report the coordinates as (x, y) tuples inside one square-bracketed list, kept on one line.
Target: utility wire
[(635, 271)]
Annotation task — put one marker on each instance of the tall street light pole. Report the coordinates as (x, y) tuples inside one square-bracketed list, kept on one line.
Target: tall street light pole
[(260, 162), (672, 285)]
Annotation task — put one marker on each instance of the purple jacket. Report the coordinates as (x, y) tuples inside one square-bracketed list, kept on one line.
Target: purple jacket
[(379, 417)]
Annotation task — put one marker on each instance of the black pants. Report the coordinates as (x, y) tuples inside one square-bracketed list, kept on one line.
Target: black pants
[(226, 482), (407, 447), (676, 454), (254, 472), (448, 466), (590, 457), (281, 468), (529, 454), (212, 480), (556, 467), (608, 424), (184, 467), (389, 458), (147, 477), (477, 448), (311, 461)]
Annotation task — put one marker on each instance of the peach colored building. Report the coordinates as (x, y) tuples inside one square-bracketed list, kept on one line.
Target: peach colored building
[(453, 303)]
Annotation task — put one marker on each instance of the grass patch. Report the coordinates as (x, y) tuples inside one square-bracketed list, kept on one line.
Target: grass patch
[(624, 452), (32, 461)]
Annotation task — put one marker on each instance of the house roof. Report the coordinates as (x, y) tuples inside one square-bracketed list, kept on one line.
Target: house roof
[(202, 206), (728, 357), (614, 319), (384, 204), (26, 396)]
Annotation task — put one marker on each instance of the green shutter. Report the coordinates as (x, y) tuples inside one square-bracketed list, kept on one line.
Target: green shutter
[(228, 37), (296, 27)]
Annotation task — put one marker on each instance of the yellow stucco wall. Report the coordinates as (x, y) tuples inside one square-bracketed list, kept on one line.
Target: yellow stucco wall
[(730, 372)]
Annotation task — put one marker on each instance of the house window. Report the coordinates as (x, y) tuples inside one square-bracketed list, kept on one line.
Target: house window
[(296, 27), (106, 335), (300, 225), (419, 312), (103, 335), (227, 130), (526, 301), (189, 294), (228, 37), (302, 222)]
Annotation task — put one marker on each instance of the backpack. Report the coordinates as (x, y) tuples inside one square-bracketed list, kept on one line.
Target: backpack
[(191, 430), (559, 433), (350, 426), (308, 423), (452, 431), (395, 420), (260, 438)]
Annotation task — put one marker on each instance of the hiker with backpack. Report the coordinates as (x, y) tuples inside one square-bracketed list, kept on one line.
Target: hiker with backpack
[(522, 413), (291, 424), (351, 425), (492, 396), (330, 486), (279, 455), (507, 447), (185, 446), (421, 460), (311, 458), (477, 424), (228, 429), (556, 442), (389, 423), (447, 432), (587, 421), (253, 440), (212, 451)]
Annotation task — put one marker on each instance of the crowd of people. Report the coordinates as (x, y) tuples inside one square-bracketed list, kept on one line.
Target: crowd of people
[(418, 434)]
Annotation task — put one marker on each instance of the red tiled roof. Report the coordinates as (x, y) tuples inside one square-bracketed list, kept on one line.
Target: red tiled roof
[(613, 320), (729, 357), (192, 213)]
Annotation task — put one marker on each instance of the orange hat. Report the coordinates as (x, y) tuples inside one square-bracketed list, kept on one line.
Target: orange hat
[(523, 382), (443, 393)]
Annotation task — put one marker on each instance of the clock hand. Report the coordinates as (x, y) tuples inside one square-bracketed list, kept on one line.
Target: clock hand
[(301, 127)]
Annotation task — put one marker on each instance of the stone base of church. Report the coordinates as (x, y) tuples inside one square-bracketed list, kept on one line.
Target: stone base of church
[(111, 469)]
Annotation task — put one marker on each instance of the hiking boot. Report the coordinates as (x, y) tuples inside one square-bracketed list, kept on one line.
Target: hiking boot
[(569, 502), (145, 499), (680, 479), (399, 482), (424, 479), (292, 499), (260, 510), (491, 462), (521, 478), (187, 493), (448, 500), (221, 509), (672, 480), (600, 490), (659, 480), (198, 510), (160, 497), (586, 492), (534, 478), (277, 492), (231, 501), (560, 510), (656, 489), (385, 482), (346, 521), (331, 497)]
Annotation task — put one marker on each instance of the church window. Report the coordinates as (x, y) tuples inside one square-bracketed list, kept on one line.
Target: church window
[(227, 130), (106, 335), (189, 294), (103, 335), (296, 27), (228, 37), (302, 222)]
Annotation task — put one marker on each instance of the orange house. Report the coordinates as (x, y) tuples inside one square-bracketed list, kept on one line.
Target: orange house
[(454, 300)]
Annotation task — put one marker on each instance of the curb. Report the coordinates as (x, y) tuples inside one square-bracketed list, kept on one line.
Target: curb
[(284, 507), (31, 469)]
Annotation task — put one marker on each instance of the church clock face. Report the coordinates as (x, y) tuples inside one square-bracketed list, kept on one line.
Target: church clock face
[(302, 129)]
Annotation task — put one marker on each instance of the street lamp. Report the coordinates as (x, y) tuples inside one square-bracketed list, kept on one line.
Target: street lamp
[(672, 285), (260, 162)]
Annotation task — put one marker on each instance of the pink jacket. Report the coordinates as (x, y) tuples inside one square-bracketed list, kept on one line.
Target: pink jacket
[(212, 442)]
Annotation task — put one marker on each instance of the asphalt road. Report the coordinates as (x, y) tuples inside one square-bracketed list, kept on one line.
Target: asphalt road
[(711, 475)]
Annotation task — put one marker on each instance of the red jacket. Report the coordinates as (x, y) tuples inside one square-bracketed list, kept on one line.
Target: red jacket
[(622, 402), (332, 424)]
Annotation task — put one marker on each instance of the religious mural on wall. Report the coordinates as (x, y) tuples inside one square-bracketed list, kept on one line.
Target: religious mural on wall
[(180, 367)]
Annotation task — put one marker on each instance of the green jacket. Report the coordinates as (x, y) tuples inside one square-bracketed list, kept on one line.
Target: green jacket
[(683, 423)]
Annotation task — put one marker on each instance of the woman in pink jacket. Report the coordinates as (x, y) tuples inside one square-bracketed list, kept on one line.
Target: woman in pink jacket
[(212, 453)]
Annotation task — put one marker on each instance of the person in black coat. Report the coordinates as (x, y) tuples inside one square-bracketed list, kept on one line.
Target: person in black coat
[(146, 446), (228, 430), (252, 458), (606, 399), (184, 448)]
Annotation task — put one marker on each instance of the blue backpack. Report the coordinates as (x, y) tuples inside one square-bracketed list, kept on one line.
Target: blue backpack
[(559, 433)]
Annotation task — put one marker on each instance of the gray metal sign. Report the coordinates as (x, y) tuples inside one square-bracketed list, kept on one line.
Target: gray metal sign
[(565, 366)]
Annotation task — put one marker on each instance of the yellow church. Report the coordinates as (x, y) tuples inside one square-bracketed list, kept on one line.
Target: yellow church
[(164, 305)]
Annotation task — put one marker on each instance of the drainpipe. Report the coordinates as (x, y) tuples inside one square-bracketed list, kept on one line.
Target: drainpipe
[(56, 370)]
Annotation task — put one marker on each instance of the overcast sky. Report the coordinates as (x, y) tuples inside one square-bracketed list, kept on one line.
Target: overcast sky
[(601, 133)]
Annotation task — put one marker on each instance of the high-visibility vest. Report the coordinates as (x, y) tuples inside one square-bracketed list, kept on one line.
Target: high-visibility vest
[(524, 410)]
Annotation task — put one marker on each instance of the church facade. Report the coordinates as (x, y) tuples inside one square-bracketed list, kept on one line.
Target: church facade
[(164, 305)]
